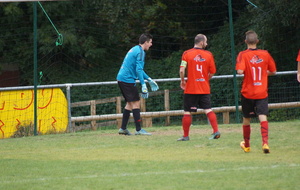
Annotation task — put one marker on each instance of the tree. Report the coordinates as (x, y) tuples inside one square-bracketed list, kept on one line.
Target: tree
[(97, 34)]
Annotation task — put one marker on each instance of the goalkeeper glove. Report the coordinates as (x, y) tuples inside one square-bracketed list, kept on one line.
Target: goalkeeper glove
[(153, 85), (144, 91)]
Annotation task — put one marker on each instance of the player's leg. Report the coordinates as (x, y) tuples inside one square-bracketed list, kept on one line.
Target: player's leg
[(135, 107), (136, 112), (131, 96), (264, 128), (214, 123), (186, 123), (262, 111), (212, 119), (125, 118), (246, 134), (248, 112), (205, 103), (189, 105)]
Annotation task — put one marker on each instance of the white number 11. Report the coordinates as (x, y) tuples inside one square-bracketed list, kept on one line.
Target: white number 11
[(256, 72)]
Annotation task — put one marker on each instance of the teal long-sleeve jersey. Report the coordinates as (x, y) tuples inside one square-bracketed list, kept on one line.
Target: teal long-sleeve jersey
[(133, 66)]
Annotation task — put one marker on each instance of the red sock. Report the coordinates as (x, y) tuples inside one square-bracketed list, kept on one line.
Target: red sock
[(246, 133), (213, 120), (186, 123), (264, 129)]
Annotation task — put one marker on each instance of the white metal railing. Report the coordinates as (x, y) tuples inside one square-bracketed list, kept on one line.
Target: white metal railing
[(69, 85)]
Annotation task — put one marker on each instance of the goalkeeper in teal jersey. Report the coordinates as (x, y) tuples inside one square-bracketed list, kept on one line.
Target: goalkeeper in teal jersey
[(132, 69)]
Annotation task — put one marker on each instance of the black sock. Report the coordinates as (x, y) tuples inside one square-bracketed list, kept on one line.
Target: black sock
[(126, 115), (137, 118)]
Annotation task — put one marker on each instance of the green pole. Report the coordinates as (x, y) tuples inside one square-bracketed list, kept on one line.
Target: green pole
[(35, 64), (233, 62)]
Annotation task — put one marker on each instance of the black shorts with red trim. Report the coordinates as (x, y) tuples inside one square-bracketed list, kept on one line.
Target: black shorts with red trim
[(254, 107), (194, 101)]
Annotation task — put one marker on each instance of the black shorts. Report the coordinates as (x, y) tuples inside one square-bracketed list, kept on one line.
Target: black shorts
[(193, 101), (254, 107), (129, 91)]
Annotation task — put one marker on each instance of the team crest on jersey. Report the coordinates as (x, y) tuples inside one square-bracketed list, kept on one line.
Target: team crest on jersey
[(255, 60), (199, 58)]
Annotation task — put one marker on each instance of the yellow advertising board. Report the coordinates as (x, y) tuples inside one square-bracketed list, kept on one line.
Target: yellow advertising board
[(17, 111)]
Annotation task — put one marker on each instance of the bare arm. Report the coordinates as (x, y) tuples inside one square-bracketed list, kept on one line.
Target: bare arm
[(240, 72), (182, 74), (271, 73)]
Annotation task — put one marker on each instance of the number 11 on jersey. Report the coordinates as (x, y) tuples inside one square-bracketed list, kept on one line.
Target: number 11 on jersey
[(256, 75)]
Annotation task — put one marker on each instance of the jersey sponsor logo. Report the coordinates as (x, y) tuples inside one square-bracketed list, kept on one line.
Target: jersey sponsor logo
[(200, 80), (257, 84), (199, 58), (255, 60)]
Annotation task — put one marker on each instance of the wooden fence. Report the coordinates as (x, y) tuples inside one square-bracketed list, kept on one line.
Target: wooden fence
[(147, 116)]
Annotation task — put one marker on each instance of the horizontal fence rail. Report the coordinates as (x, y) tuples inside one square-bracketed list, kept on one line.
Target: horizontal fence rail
[(115, 82), (225, 110), (146, 115)]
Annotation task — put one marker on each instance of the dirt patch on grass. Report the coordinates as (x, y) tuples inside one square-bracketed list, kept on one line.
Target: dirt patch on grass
[(178, 131)]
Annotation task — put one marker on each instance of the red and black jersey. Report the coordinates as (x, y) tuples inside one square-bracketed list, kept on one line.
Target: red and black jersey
[(255, 63), (200, 63)]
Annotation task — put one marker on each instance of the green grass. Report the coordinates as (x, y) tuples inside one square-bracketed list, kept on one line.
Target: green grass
[(104, 160)]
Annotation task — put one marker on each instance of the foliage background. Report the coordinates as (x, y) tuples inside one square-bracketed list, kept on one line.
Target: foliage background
[(97, 35)]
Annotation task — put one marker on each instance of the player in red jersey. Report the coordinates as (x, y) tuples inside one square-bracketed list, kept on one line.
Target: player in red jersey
[(200, 66), (256, 65), (298, 59)]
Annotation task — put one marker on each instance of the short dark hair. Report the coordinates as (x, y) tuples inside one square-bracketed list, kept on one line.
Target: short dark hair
[(251, 37), (145, 38), (199, 38)]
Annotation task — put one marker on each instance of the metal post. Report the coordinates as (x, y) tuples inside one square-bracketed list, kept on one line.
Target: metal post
[(35, 64), (233, 62), (69, 107)]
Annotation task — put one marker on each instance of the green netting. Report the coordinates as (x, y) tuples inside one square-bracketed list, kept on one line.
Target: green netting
[(94, 36)]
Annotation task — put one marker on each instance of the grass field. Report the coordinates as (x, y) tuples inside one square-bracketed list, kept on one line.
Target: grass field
[(105, 160)]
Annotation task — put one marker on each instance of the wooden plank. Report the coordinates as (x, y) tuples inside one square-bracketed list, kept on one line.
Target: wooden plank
[(226, 117), (87, 103), (118, 105), (81, 104), (147, 122), (119, 110), (167, 106), (143, 105), (93, 112), (177, 112), (106, 100)]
